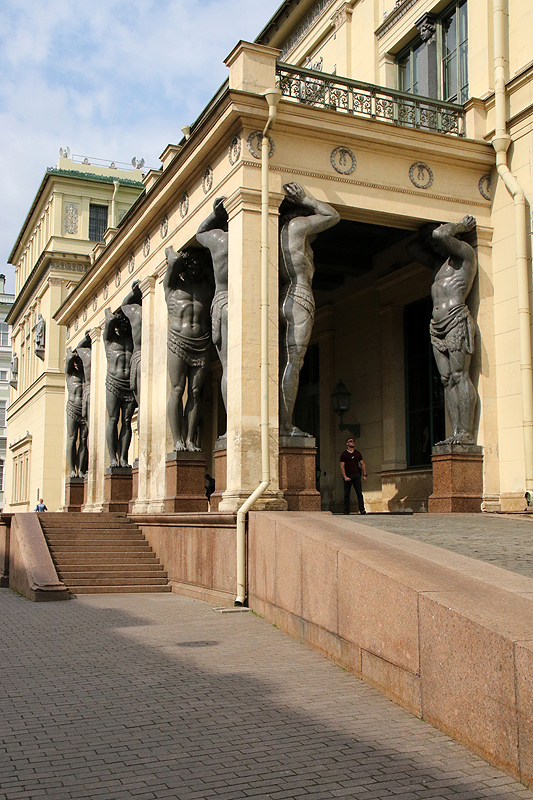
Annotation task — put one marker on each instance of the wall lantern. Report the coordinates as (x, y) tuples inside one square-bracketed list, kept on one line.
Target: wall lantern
[(341, 404)]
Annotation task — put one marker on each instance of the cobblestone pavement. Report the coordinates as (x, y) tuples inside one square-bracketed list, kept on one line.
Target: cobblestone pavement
[(503, 540), (157, 696)]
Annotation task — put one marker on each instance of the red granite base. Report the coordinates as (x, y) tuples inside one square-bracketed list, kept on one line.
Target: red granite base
[(457, 479)]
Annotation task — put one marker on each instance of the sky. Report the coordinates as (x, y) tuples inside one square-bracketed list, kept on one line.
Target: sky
[(107, 78)]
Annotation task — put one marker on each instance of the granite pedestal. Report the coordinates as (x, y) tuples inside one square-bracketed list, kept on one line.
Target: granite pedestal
[(185, 482), (118, 485), (457, 479), (74, 494), (297, 473)]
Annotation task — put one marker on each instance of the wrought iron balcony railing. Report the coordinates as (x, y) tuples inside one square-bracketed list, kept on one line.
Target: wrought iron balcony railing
[(346, 96)]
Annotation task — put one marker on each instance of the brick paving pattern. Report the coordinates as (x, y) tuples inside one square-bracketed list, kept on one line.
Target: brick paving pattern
[(157, 696), (503, 540)]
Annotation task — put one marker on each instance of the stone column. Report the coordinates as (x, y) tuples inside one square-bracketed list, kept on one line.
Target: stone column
[(159, 382), (244, 352), (98, 457), (149, 386), (328, 457), (393, 387)]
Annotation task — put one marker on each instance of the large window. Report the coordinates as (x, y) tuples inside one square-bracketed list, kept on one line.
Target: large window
[(435, 64), (424, 393), (4, 335), (97, 222), (455, 54), (3, 406)]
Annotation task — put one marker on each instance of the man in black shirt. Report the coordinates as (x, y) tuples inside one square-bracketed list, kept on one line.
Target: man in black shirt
[(351, 465)]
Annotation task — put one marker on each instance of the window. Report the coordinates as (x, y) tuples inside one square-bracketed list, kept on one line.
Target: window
[(3, 406), (3, 374), (97, 223), (455, 55), (1, 474), (435, 64), (408, 68), (4, 335), (424, 392)]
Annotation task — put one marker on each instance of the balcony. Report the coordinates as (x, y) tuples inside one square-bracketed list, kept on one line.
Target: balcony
[(345, 96)]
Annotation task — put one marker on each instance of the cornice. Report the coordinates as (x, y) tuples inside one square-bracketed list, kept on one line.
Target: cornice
[(396, 14)]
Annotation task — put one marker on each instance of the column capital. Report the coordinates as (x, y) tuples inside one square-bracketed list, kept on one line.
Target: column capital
[(244, 199), (147, 286), (96, 333)]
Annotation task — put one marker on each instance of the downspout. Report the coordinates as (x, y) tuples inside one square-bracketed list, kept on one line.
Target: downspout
[(272, 97), (501, 142)]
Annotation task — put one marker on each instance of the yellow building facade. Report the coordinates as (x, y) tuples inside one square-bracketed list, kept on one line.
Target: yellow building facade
[(74, 206), (396, 114)]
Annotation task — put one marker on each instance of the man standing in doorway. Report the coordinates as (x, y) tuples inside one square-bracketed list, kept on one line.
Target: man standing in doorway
[(351, 465)]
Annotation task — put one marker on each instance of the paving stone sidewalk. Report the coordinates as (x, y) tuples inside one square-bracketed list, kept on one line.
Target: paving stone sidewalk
[(503, 540), (157, 696)]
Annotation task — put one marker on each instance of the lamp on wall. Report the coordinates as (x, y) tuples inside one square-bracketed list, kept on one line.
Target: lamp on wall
[(341, 404)]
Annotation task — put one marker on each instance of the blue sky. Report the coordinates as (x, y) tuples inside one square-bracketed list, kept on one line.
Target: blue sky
[(110, 80)]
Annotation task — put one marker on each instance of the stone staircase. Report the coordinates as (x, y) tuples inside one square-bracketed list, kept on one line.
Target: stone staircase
[(96, 553)]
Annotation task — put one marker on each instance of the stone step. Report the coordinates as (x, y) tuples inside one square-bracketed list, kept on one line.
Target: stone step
[(77, 576), (117, 589), (88, 560), (59, 554), (53, 536), (112, 581)]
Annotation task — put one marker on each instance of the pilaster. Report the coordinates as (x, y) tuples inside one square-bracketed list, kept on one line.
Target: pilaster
[(148, 387), (244, 352), (97, 424)]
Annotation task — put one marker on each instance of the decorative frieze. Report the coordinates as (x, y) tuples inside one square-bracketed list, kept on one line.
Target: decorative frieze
[(316, 10), (68, 266)]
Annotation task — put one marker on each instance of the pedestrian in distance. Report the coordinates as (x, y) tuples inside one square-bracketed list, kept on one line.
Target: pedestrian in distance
[(41, 506), (353, 470)]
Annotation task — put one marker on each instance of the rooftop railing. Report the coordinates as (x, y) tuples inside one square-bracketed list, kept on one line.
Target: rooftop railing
[(322, 90)]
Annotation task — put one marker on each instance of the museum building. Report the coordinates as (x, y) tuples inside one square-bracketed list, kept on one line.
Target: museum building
[(395, 115)]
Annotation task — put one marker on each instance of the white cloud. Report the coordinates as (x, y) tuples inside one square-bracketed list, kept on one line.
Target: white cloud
[(108, 79)]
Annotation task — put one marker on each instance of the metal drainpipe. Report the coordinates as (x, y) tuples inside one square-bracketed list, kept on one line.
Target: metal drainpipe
[(272, 97), (501, 142)]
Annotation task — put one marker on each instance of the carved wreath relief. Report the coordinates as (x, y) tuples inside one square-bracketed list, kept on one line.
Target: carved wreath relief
[(234, 150), (131, 263), (163, 227), (184, 205), (343, 160), (146, 246), (207, 180), (420, 175), (484, 186), (254, 141)]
